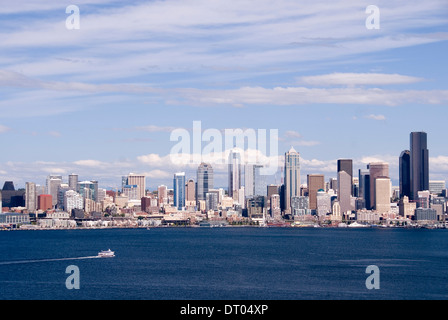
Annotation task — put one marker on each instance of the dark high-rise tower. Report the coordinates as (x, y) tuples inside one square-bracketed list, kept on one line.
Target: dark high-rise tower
[(347, 166), (405, 174), (419, 162)]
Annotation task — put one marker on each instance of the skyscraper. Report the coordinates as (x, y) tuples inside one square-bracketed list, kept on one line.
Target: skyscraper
[(179, 190), (53, 183), (405, 173), (347, 166), (254, 182), (88, 189), (73, 181), (382, 195), (419, 162), (30, 197), (234, 171), (204, 180), (376, 170), (292, 176), (364, 188), (315, 183), (140, 181), (190, 190), (162, 192), (344, 191)]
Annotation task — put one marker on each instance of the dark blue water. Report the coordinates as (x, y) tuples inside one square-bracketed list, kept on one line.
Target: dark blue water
[(226, 263)]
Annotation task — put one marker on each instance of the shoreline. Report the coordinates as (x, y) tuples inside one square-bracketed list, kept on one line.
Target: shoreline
[(441, 227)]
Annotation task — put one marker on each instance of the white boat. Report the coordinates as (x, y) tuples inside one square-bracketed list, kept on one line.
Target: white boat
[(357, 225), (106, 254)]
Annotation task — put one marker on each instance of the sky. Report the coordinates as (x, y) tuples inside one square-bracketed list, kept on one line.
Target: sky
[(103, 100)]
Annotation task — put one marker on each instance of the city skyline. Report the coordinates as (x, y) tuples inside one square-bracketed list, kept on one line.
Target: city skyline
[(227, 173), (102, 100)]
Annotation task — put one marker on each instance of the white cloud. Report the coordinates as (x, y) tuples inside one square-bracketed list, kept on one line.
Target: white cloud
[(356, 79), (378, 117)]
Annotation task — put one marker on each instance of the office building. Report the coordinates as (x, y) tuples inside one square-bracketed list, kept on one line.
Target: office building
[(406, 208), (162, 194), (179, 190), (376, 170), (140, 181), (323, 203), (234, 174), (204, 180), (437, 186), (62, 189), (211, 201), (53, 182), (405, 173), (291, 177), (88, 190), (44, 202), (315, 183), (132, 191), (12, 198), (30, 197), (344, 191), (73, 200), (364, 188), (73, 182), (346, 165), (419, 164), (190, 190), (382, 194), (254, 181), (275, 209)]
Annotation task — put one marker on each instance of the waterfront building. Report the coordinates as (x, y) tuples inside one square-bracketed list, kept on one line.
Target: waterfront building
[(406, 208)]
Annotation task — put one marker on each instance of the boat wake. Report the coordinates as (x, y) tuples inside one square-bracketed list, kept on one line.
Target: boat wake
[(46, 260)]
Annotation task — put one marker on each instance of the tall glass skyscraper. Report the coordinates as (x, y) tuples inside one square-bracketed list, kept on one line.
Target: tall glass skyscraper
[(254, 181), (405, 174), (292, 177), (179, 190), (204, 180), (419, 164)]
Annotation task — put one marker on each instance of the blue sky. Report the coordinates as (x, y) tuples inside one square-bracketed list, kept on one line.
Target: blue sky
[(102, 101)]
